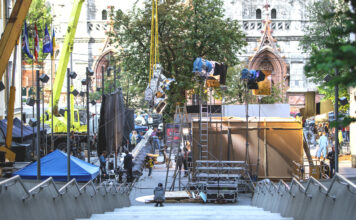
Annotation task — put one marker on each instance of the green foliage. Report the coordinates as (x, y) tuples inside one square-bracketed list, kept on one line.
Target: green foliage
[(185, 32), (132, 94), (328, 41), (39, 14)]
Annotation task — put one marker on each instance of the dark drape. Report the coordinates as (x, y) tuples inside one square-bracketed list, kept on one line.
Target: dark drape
[(112, 120)]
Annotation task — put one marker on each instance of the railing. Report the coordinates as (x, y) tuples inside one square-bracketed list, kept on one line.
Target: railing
[(266, 185), (319, 170), (113, 187)]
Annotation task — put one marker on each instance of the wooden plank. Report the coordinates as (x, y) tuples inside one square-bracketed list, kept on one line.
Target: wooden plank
[(175, 195)]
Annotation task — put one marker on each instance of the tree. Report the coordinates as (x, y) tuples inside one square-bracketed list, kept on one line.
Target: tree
[(198, 29), (328, 41), (39, 14)]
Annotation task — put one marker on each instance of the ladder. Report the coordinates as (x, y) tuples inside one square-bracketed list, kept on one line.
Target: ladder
[(204, 132), (181, 119)]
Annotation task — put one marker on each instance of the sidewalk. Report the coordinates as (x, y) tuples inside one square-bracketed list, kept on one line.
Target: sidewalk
[(146, 185)]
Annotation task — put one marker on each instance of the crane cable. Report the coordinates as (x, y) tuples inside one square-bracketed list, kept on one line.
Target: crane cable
[(154, 52)]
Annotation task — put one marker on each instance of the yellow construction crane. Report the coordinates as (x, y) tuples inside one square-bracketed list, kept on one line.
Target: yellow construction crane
[(154, 49), (8, 42)]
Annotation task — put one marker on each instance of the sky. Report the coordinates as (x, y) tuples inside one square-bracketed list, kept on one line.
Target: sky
[(127, 4)]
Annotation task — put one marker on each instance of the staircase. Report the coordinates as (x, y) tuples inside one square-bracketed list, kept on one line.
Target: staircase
[(188, 211)]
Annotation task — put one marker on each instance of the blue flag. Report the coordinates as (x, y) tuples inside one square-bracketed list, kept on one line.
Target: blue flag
[(47, 44), (25, 46), (53, 43)]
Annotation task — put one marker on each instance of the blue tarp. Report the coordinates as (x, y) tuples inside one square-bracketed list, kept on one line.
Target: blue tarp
[(16, 130), (140, 128), (55, 165)]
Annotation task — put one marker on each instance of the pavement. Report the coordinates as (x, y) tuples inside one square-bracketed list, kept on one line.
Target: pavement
[(146, 184), (345, 166)]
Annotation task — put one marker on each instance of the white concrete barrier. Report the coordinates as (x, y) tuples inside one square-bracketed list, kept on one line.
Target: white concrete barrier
[(49, 201), (311, 200)]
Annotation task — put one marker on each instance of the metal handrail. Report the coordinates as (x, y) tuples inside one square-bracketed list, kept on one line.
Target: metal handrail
[(89, 183), (266, 184), (64, 189), (14, 180), (122, 188), (49, 181)]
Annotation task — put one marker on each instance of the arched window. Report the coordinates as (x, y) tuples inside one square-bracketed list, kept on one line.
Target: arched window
[(274, 14), (104, 15), (258, 14)]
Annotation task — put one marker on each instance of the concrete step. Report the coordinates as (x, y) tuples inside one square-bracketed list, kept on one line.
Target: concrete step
[(193, 212), (189, 217)]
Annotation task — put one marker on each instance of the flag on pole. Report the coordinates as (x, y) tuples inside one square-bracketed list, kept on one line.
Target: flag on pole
[(37, 45), (25, 46), (53, 43), (47, 44)]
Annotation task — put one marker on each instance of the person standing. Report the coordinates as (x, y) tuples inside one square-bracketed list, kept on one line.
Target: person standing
[(323, 144), (128, 164), (159, 195), (185, 161), (73, 143), (80, 154), (155, 138), (102, 160), (140, 136), (179, 160), (133, 140), (149, 165), (331, 157)]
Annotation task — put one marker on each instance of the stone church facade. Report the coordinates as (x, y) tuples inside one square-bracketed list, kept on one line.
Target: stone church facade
[(278, 50)]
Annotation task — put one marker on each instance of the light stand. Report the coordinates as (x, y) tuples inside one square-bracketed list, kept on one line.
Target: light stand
[(70, 75), (37, 122), (89, 73)]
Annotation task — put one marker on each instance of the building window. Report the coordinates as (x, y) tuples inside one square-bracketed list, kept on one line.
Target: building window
[(104, 15), (245, 24), (274, 14), (258, 14)]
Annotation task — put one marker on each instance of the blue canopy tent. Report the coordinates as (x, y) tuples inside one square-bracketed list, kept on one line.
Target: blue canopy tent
[(55, 165)]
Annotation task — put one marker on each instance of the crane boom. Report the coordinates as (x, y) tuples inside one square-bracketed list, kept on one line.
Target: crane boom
[(12, 32), (65, 53)]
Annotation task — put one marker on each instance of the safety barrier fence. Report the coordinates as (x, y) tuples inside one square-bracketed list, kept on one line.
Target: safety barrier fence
[(331, 199)]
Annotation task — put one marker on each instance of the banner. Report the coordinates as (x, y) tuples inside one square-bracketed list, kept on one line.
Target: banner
[(53, 42), (37, 45), (47, 44), (25, 46)]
